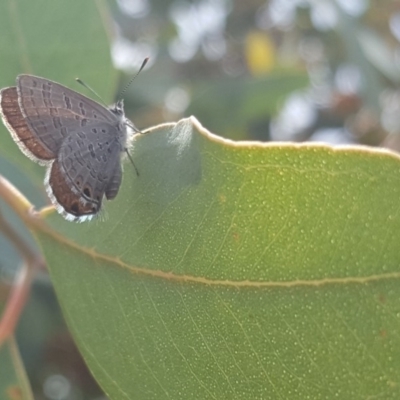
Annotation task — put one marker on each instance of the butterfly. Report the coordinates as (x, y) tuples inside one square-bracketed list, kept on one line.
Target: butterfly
[(78, 140)]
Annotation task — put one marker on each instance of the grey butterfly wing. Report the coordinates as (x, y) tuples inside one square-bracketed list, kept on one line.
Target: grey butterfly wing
[(90, 161), (52, 110), (114, 184)]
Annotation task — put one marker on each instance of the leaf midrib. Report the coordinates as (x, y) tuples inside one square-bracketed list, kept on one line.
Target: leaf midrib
[(40, 226)]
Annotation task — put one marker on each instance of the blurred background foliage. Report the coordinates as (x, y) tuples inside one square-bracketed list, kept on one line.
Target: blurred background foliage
[(321, 70), (281, 70)]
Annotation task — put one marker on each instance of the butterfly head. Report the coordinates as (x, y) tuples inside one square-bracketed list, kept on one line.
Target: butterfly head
[(118, 108)]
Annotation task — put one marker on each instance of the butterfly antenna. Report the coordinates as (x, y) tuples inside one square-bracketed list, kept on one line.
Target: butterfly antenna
[(131, 125), (85, 85), (134, 76)]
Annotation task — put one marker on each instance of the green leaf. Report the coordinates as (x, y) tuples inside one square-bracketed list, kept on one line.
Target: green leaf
[(14, 384), (237, 270)]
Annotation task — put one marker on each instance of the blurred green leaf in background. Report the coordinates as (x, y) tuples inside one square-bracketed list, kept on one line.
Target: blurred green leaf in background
[(225, 270)]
